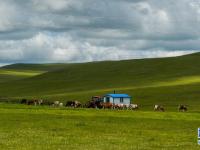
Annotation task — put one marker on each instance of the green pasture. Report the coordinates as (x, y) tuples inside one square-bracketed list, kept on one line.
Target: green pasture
[(29, 127)]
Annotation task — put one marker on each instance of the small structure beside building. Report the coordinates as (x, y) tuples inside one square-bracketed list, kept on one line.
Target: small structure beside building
[(117, 99)]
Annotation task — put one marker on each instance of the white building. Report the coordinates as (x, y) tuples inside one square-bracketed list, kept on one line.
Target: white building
[(117, 99)]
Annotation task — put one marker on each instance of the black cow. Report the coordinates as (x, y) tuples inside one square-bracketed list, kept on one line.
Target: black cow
[(74, 104), (23, 101), (182, 108)]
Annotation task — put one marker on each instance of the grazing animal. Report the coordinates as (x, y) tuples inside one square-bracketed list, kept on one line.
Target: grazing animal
[(91, 104), (69, 104), (39, 102), (115, 106), (182, 108), (119, 106), (32, 102), (159, 108), (125, 106), (77, 104), (56, 103), (74, 104), (61, 105), (107, 105), (23, 101), (133, 106)]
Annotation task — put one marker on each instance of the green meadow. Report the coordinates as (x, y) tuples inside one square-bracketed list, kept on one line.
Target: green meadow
[(43, 128)]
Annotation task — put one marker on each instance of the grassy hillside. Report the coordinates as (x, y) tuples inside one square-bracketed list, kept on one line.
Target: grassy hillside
[(35, 67), (168, 81), (45, 128), (21, 71)]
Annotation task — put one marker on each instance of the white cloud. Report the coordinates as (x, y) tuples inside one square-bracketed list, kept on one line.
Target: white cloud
[(7, 16), (89, 30), (62, 48)]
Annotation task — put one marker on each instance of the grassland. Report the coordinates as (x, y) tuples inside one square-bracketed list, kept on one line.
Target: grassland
[(24, 127), (22, 71), (166, 81)]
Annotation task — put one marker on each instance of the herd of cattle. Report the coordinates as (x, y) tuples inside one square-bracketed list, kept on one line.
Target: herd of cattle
[(95, 104)]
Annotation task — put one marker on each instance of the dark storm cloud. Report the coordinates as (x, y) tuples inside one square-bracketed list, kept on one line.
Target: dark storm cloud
[(88, 30)]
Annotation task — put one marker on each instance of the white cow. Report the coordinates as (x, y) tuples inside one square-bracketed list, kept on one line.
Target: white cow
[(156, 107), (56, 103), (133, 106), (159, 108), (61, 105), (40, 101)]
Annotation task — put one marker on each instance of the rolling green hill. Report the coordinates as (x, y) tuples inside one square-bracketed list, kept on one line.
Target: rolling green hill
[(21, 71), (167, 81)]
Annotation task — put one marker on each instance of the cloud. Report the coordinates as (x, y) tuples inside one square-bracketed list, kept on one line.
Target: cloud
[(90, 30), (6, 16), (45, 48)]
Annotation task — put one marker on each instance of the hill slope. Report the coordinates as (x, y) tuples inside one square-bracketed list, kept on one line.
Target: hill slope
[(149, 81), (21, 71)]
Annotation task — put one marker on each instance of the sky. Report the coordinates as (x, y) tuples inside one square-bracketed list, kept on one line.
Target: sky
[(48, 31)]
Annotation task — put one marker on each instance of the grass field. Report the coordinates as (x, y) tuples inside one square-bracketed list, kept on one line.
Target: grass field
[(165, 81), (25, 127)]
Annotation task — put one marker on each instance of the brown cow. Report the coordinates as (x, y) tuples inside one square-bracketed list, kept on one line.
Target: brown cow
[(107, 105), (32, 102)]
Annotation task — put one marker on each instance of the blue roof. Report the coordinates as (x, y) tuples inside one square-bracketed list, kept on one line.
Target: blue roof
[(119, 95)]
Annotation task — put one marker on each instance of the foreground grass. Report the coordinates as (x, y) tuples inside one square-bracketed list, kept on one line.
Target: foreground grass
[(23, 127)]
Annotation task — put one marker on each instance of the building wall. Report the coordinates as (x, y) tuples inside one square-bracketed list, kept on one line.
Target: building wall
[(111, 99), (125, 101), (117, 100)]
